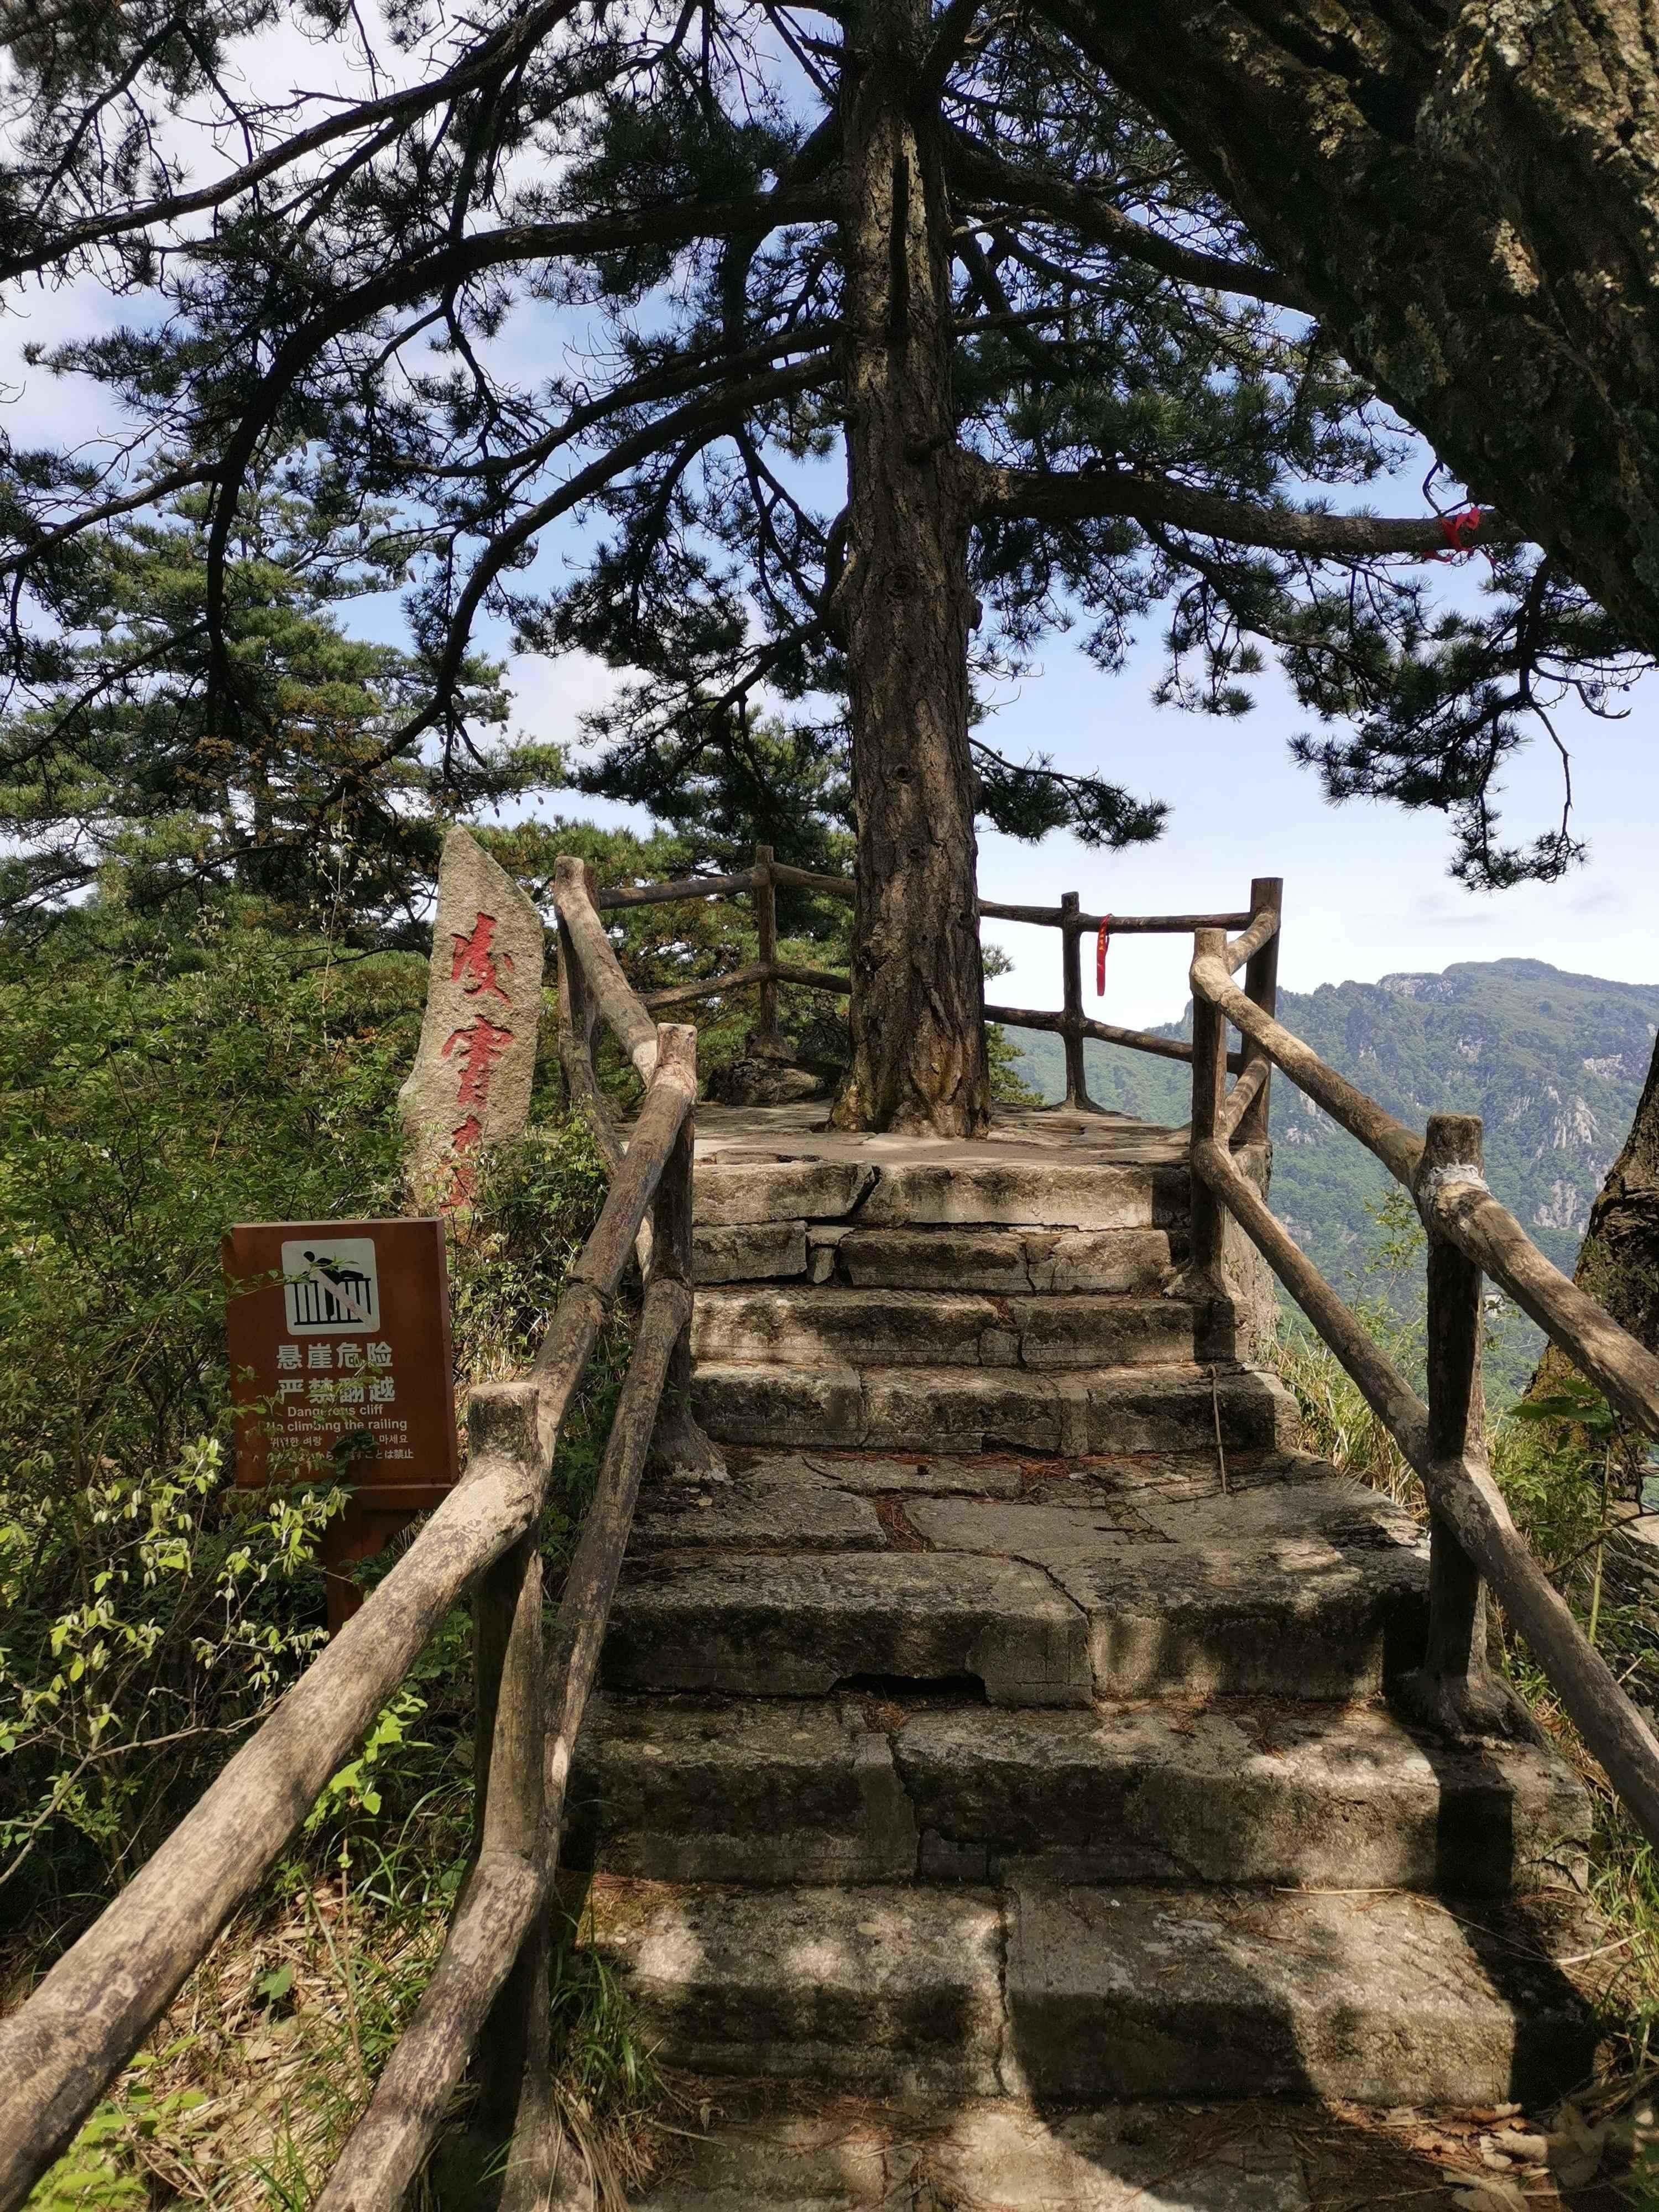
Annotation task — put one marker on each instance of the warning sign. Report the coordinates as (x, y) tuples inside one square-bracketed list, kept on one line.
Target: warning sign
[(340, 1359)]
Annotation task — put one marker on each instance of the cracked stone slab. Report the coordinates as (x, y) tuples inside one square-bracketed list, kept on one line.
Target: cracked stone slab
[(681, 1791), (979, 2154), (871, 1474), (796, 1624), (747, 1252), (1025, 1193), (1125, 1991), (1329, 1604), (896, 1990), (729, 1192), (750, 1402), (1294, 1617), (778, 1505), (803, 1325), (856, 1329), (1282, 1793), (1090, 1329)]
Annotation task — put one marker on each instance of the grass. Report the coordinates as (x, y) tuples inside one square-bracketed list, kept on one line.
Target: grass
[(1555, 1495), (244, 2093)]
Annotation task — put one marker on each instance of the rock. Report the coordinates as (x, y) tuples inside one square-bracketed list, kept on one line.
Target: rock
[(779, 1505), (983, 1260), (1213, 1993), (1002, 2152), (775, 1791), (934, 1477), (751, 1252), (898, 1990), (1030, 1192), (796, 1624), (1341, 1797), (728, 1190), (764, 1081), (470, 1085)]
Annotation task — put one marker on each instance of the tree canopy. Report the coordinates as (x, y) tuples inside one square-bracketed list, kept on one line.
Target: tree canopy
[(870, 345)]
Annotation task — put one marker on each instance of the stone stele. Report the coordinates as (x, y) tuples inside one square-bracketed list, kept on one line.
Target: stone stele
[(470, 1085)]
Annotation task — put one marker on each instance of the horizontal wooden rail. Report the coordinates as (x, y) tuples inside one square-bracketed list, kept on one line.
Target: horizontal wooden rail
[(1120, 925), (1464, 1496), (1463, 1207), (809, 879), (88, 2015), (757, 971), (1037, 1017), (688, 887)]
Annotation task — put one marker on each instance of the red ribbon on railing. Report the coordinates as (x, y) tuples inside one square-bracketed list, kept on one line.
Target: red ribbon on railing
[(1101, 944)]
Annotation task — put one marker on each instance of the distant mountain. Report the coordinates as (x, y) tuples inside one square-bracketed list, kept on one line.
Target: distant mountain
[(1553, 1063)]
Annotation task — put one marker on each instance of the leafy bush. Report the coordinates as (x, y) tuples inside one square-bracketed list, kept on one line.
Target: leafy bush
[(156, 1084)]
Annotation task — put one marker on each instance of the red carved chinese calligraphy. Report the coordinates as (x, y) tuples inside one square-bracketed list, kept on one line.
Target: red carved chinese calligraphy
[(483, 1044), (475, 966)]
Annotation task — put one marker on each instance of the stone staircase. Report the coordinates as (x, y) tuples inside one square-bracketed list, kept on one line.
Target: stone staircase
[(1007, 1739)]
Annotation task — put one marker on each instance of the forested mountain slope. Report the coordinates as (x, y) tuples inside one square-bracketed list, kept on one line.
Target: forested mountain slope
[(1553, 1063)]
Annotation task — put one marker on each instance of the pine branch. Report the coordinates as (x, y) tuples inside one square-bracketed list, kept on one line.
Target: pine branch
[(1101, 224), (1042, 496), (513, 39)]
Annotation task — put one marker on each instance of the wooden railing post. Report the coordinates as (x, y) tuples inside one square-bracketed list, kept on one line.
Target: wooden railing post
[(1209, 1090), (1077, 1099), (680, 1445), (766, 1040), (1261, 986), (510, 1731), (1454, 1691), (578, 1010)]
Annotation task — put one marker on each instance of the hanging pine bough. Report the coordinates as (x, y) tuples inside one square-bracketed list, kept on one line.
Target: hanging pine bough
[(950, 252)]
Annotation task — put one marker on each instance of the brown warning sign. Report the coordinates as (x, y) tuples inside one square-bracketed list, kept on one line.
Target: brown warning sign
[(340, 1359)]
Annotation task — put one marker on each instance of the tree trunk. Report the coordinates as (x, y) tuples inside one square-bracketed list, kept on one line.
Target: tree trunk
[(903, 599), (1618, 1261), (1470, 196)]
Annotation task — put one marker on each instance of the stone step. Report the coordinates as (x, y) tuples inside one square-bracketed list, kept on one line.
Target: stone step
[(809, 1327), (1312, 1589), (847, 2155), (1081, 1994), (883, 1789), (991, 1261), (968, 1184), (1174, 1407)]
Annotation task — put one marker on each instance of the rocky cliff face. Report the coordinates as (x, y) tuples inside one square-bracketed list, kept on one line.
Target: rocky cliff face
[(1553, 1063)]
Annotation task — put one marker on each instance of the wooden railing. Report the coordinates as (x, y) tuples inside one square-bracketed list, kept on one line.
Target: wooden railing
[(1473, 1539), (761, 882), (488, 1992)]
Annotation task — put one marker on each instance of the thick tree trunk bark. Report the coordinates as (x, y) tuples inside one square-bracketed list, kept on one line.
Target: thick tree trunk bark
[(1470, 196), (1618, 1261), (918, 994)]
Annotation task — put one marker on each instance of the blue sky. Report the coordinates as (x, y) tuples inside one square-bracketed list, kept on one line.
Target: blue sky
[(1366, 887), (1366, 891)]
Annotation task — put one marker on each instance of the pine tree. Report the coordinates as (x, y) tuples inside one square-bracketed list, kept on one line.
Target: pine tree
[(890, 341), (297, 787)]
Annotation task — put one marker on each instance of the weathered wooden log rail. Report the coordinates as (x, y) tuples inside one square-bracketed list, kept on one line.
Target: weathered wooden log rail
[(762, 884), (488, 1991), (1473, 1542)]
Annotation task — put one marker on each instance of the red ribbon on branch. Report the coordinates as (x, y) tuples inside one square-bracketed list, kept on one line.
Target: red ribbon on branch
[(1459, 532), (1101, 942)]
